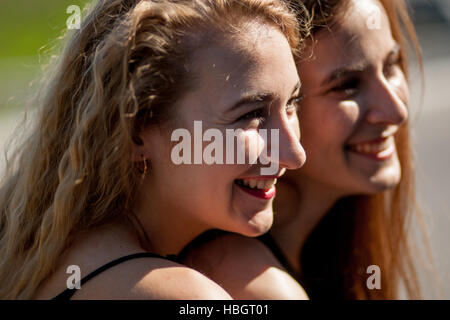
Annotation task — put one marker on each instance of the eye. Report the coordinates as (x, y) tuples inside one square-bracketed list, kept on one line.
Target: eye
[(293, 104), (348, 87), (254, 115), (392, 66)]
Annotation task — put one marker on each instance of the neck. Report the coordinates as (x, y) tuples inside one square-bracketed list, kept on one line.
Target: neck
[(300, 207), (166, 228)]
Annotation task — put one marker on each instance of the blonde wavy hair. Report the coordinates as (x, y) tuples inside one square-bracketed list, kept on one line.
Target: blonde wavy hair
[(123, 70)]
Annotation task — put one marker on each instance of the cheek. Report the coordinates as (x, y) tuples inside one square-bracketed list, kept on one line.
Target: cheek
[(402, 89), (295, 126), (327, 124), (205, 189), (345, 116), (253, 142)]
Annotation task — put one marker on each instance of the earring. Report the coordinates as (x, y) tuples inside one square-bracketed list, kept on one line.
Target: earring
[(144, 172)]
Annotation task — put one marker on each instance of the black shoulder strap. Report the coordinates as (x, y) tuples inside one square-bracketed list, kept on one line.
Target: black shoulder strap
[(68, 293)]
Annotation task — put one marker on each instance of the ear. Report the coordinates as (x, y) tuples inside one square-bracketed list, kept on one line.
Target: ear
[(145, 144), (139, 148)]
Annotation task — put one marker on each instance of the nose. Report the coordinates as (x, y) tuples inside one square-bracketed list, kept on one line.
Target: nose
[(291, 154), (386, 106)]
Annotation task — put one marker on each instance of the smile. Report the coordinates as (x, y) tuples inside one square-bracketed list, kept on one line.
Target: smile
[(258, 187), (380, 149)]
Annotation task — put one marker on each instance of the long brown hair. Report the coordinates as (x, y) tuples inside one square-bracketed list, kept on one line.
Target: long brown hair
[(123, 70), (365, 230)]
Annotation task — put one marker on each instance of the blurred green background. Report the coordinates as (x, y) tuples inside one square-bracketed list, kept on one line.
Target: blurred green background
[(26, 28)]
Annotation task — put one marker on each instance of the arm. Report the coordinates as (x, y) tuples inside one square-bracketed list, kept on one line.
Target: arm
[(245, 268)]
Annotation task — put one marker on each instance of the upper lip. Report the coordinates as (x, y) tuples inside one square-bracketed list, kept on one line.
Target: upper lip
[(377, 138), (265, 177)]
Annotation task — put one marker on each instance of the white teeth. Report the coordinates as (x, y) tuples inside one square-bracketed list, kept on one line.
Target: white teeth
[(259, 184), (270, 184), (374, 147)]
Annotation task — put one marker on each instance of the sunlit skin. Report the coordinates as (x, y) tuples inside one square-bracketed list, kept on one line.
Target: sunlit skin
[(177, 203), (354, 92), (194, 198)]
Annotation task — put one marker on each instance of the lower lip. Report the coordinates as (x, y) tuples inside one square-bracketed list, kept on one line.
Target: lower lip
[(380, 156), (258, 193)]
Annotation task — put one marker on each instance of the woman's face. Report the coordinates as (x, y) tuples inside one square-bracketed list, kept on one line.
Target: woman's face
[(250, 83), (355, 101)]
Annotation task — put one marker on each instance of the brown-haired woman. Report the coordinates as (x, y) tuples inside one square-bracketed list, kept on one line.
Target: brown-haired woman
[(95, 189), (345, 214)]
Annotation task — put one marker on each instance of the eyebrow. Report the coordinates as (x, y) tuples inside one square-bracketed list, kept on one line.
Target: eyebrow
[(260, 97), (356, 68)]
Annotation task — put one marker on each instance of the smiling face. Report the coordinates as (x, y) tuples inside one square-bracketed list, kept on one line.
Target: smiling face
[(355, 101), (249, 82)]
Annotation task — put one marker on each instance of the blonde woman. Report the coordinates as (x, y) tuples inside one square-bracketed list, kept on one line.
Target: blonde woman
[(343, 216), (96, 187)]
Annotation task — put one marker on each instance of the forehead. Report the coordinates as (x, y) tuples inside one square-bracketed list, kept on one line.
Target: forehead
[(241, 52), (258, 58), (365, 23), (361, 34)]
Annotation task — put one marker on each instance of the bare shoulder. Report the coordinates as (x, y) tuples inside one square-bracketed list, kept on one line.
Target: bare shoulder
[(230, 250), (151, 278), (138, 278), (245, 268)]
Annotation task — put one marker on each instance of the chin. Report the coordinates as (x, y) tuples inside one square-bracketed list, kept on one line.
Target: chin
[(383, 183), (383, 179), (259, 223), (380, 187)]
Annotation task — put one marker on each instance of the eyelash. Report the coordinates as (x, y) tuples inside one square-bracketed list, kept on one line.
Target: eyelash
[(389, 68), (350, 86), (259, 114), (294, 101)]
